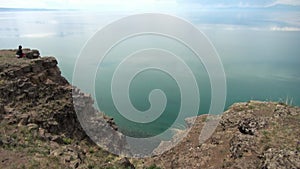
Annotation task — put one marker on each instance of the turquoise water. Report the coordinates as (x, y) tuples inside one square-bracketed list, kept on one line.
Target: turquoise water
[(260, 63), (147, 81)]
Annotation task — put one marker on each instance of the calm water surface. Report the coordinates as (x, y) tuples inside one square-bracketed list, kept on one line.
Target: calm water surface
[(260, 62)]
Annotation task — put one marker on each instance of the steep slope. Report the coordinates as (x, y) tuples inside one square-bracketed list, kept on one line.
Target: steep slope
[(38, 124)]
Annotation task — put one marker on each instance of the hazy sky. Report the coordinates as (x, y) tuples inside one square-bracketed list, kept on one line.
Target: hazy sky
[(132, 4)]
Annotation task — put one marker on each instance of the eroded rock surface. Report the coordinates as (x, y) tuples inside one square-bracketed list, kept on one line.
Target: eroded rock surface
[(250, 135), (38, 118)]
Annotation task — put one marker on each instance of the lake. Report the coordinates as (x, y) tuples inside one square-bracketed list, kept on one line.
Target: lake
[(259, 51)]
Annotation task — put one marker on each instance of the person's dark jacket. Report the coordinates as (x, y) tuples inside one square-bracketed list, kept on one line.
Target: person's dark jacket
[(20, 53)]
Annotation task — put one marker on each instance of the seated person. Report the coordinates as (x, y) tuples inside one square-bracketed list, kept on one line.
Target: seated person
[(19, 53)]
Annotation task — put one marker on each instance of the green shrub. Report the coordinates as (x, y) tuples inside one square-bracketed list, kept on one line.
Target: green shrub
[(67, 140), (153, 166)]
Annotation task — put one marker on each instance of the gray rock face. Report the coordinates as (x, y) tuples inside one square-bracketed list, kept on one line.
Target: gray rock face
[(100, 128), (37, 88)]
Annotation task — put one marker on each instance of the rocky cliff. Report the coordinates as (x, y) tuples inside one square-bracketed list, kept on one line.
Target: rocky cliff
[(39, 128), (38, 123)]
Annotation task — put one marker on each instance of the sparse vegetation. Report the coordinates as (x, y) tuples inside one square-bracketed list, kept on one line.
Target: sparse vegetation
[(251, 107), (67, 140), (153, 166)]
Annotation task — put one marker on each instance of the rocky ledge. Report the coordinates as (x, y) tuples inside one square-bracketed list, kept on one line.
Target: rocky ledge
[(253, 135), (39, 128), (38, 122)]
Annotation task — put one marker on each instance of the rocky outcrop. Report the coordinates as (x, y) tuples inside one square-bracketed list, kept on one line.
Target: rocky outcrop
[(35, 93), (37, 113), (32, 54), (250, 135)]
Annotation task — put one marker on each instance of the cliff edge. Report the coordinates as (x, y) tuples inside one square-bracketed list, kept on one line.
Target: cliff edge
[(38, 124)]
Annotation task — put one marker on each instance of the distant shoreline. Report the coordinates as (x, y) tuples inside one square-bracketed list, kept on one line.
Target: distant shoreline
[(32, 9)]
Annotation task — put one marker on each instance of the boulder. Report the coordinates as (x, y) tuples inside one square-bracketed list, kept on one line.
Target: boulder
[(32, 54), (251, 125)]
